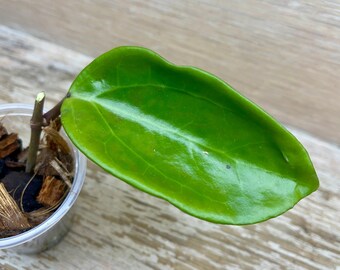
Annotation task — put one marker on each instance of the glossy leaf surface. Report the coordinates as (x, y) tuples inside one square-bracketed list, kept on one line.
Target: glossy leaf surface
[(183, 135)]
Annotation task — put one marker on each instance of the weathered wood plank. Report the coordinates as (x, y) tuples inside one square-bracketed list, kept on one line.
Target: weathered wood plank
[(272, 51), (119, 227)]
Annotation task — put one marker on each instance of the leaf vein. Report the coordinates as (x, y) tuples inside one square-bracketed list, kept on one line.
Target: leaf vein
[(148, 163)]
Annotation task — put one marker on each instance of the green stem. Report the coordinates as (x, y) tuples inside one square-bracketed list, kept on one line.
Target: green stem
[(36, 124)]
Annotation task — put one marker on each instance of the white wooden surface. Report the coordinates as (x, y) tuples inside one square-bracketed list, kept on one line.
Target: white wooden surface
[(284, 55), (119, 227)]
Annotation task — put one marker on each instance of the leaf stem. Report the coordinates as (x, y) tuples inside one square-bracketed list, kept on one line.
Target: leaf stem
[(54, 112), (36, 124)]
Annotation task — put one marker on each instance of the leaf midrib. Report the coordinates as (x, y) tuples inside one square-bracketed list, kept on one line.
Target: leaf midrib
[(95, 105)]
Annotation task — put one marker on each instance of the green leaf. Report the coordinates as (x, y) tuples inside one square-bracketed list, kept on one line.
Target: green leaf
[(183, 135)]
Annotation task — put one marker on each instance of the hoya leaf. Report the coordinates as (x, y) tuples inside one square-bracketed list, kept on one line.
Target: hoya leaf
[(184, 135)]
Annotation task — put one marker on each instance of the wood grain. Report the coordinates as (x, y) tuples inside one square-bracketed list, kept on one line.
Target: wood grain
[(119, 227), (284, 55)]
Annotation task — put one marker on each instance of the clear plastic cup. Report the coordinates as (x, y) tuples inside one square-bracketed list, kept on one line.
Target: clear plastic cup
[(16, 118)]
